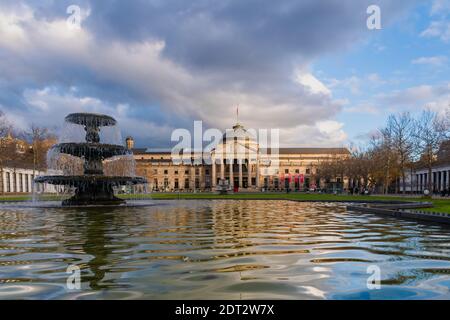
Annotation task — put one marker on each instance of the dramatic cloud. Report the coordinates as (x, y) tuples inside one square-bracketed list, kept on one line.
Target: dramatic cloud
[(314, 85), (327, 133), (158, 65)]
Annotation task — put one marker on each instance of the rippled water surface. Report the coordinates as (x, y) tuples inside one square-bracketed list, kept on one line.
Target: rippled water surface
[(220, 250)]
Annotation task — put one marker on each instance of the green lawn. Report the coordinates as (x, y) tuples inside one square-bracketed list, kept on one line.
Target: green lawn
[(440, 205), (20, 198)]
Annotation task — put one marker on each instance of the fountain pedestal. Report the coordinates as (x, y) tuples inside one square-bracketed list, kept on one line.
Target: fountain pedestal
[(94, 193)]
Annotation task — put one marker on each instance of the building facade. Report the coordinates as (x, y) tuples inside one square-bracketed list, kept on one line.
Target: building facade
[(440, 179), (417, 179), (16, 180), (240, 162), (17, 171)]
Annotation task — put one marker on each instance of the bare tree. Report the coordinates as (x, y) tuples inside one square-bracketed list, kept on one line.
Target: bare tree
[(41, 140), (401, 133), (37, 136), (384, 158), (359, 169), (431, 131)]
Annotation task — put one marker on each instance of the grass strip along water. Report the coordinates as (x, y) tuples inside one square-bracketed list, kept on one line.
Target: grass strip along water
[(439, 205)]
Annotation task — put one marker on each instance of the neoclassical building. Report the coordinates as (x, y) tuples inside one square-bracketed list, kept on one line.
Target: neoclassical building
[(417, 180), (17, 180), (17, 171), (238, 160)]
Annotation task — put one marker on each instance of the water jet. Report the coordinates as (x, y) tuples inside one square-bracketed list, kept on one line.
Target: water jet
[(93, 187)]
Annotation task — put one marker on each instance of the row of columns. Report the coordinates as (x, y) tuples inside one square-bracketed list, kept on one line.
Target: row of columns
[(231, 172), (16, 182), (440, 180)]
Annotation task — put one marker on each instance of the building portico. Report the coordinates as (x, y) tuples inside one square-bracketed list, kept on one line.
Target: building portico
[(237, 157)]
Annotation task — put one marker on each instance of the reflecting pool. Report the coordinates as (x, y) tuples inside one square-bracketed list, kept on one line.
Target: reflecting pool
[(220, 249)]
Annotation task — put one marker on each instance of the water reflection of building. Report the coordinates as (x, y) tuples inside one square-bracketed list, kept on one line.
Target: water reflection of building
[(251, 168)]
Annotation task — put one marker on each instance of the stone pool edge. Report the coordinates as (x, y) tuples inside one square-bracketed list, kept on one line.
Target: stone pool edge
[(402, 211)]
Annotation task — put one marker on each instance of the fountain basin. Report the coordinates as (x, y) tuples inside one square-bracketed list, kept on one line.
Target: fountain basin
[(91, 119), (92, 189), (91, 151), (76, 181)]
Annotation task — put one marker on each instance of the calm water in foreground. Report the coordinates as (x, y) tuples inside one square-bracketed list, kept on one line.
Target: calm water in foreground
[(220, 250)]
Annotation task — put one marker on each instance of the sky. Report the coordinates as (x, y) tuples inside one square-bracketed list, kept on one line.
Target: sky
[(310, 68)]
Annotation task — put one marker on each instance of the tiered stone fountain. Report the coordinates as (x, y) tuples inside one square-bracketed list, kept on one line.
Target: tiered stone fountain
[(93, 187)]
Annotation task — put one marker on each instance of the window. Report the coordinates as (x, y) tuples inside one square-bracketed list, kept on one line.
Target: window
[(176, 172), (206, 171), (186, 171), (197, 171), (297, 170), (176, 184), (286, 170), (308, 171), (155, 171), (186, 183), (166, 171)]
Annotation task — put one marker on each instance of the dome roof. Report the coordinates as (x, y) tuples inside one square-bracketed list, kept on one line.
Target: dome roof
[(238, 133)]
